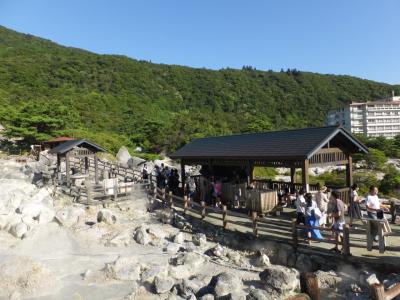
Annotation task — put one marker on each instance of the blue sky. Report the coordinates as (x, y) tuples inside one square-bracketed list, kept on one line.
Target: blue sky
[(354, 37)]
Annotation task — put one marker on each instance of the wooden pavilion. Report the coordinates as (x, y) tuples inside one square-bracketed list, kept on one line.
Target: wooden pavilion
[(299, 148), (77, 149)]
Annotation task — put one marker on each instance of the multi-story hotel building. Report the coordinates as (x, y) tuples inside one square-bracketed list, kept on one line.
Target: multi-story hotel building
[(375, 118)]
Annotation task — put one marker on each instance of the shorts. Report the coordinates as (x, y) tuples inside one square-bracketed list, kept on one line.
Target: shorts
[(337, 227)]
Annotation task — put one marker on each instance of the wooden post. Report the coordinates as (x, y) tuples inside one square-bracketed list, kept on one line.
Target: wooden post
[(224, 216), (185, 204), (381, 237), (295, 240), (377, 291), (96, 169), (88, 190), (393, 211), (369, 235), (349, 171), (304, 175), (115, 189), (203, 209), (67, 166), (309, 285), (183, 179), (346, 240), (254, 218), (292, 174), (170, 200)]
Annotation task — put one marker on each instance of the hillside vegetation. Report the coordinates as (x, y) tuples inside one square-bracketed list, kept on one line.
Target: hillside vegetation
[(48, 90)]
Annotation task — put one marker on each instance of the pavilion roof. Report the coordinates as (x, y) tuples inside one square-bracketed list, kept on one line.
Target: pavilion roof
[(297, 144), (69, 145)]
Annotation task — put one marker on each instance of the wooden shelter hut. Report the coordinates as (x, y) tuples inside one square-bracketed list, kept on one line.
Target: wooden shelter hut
[(77, 149), (299, 148)]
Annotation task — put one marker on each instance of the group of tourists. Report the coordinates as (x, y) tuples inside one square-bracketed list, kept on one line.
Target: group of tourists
[(167, 179), (323, 211)]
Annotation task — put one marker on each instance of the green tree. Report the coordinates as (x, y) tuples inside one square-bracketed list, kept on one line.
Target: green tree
[(375, 159)]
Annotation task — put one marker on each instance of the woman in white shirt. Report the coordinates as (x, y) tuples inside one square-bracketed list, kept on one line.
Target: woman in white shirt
[(354, 208), (322, 203)]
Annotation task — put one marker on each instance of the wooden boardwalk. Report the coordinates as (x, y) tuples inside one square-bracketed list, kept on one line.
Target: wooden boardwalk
[(279, 228)]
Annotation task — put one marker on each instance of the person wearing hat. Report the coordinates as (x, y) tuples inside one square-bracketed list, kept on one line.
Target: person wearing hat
[(322, 203)]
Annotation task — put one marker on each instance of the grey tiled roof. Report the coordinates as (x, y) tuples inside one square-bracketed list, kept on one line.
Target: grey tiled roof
[(67, 146), (287, 144)]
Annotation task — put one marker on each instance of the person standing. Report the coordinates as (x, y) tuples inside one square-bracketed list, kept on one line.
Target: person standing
[(322, 203), (374, 209), (338, 217), (300, 207), (312, 214), (145, 172), (354, 207)]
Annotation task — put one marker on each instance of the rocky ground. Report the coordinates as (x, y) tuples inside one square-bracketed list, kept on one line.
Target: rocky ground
[(52, 248)]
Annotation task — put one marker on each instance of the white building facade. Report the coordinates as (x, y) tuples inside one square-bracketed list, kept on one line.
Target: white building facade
[(373, 119)]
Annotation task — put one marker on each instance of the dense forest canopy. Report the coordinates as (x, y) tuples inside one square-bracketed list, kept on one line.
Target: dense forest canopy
[(48, 90)]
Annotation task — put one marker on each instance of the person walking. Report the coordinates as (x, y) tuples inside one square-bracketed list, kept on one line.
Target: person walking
[(322, 204), (337, 214), (312, 215), (374, 209), (354, 205), (300, 207)]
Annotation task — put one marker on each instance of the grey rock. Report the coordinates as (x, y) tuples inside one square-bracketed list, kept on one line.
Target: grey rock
[(207, 297), (19, 230), (172, 248), (258, 294), (179, 238), (280, 278), (262, 261), (163, 284), (218, 251), (151, 272), (225, 283), (327, 279), (141, 236), (106, 216), (271, 249), (187, 258), (124, 268), (199, 239)]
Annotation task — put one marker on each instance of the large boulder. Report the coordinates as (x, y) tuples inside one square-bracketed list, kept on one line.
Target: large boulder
[(225, 284), (123, 156), (280, 279), (199, 239), (141, 236), (163, 284), (106, 216), (124, 268), (69, 216)]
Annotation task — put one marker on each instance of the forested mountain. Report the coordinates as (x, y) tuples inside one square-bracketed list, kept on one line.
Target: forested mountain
[(47, 90)]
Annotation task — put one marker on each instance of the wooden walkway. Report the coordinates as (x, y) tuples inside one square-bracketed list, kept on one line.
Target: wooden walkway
[(280, 229)]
